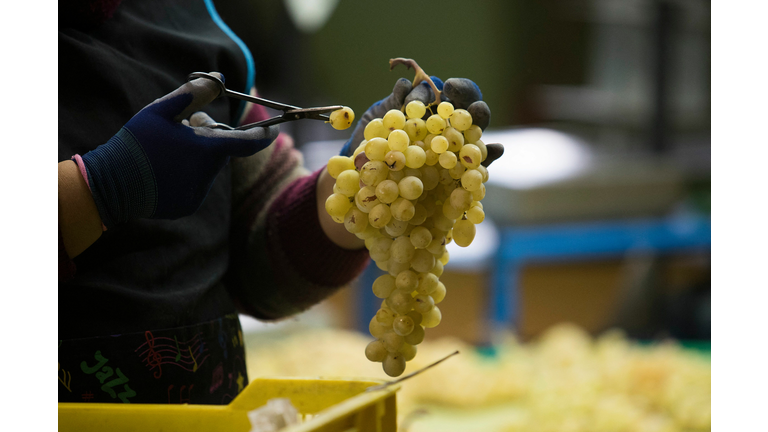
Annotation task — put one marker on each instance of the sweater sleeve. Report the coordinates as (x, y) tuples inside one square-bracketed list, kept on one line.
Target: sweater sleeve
[(281, 261)]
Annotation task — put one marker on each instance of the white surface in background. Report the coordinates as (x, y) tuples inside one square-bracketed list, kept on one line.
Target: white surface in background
[(309, 16), (535, 157)]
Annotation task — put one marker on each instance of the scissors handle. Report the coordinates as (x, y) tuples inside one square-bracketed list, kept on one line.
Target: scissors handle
[(241, 96)]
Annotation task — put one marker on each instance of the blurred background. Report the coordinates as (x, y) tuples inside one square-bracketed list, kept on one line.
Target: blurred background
[(598, 213)]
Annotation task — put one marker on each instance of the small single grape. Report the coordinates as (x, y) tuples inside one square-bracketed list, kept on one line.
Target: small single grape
[(407, 280), (479, 194), (461, 199), (338, 164), (375, 129), (464, 232), (337, 205), (415, 109), (470, 156), (475, 215), (392, 341), (376, 329), (402, 209), (396, 227), (408, 351), (473, 134), (411, 187), (435, 124), (376, 149), (455, 139), (379, 216), (387, 191), (415, 157), (394, 364), (375, 351), (395, 160), (461, 119), (402, 250), (416, 129), (445, 109), (366, 199), (386, 316), (427, 283), (432, 318), (400, 301), (439, 144), (394, 268), (355, 221), (447, 159), (457, 171), (348, 182), (420, 237), (416, 336), (452, 212), (403, 325), (398, 140), (439, 293), (422, 260), (471, 180), (394, 119), (342, 119)]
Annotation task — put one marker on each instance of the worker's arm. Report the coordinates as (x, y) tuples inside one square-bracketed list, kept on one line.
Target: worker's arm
[(155, 166), (79, 221)]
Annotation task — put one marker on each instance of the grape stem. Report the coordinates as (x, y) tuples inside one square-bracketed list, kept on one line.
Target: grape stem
[(420, 75), (410, 375)]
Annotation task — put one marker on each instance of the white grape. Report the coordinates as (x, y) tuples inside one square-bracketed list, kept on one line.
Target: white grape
[(394, 364), (403, 325), (342, 118), (375, 351), (383, 286), (393, 119), (432, 318), (461, 119), (464, 232), (402, 250), (376, 149), (348, 182), (338, 164), (375, 129), (410, 187), (398, 140), (416, 129), (415, 109), (402, 209), (435, 124), (445, 109), (387, 191), (455, 139)]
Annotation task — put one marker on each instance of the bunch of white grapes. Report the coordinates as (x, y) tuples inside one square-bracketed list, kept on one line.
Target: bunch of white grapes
[(410, 187)]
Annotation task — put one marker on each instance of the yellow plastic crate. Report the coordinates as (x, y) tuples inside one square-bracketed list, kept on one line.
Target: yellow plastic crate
[(327, 405)]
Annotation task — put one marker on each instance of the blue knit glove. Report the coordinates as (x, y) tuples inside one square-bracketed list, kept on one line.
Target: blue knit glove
[(158, 167)]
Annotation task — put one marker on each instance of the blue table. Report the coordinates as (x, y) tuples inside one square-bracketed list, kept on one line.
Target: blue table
[(520, 246)]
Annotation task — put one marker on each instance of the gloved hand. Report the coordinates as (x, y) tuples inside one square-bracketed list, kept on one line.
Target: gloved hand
[(461, 92), (157, 167)]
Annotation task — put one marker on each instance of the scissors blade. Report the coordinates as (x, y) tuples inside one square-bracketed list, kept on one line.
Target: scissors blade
[(312, 113)]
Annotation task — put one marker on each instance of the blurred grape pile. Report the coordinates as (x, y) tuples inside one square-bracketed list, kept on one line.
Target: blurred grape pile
[(564, 381)]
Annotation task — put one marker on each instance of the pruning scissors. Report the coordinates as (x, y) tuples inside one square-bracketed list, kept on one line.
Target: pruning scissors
[(290, 112)]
